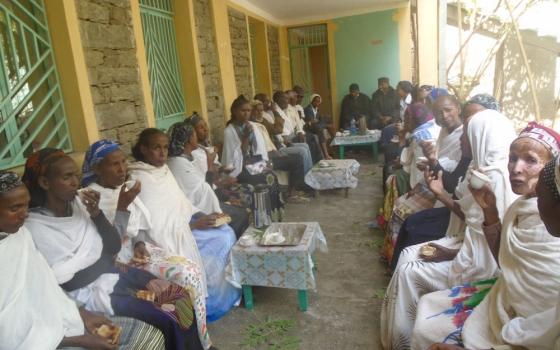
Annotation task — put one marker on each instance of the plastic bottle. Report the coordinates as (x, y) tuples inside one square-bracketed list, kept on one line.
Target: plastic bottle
[(353, 130)]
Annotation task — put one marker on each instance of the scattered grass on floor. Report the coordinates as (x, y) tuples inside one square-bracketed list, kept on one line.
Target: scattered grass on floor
[(374, 244), (380, 293), (270, 335)]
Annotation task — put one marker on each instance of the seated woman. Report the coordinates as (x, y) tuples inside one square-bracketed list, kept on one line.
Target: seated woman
[(79, 244), (420, 123), (447, 153), (317, 124), (49, 319), (228, 190), (290, 162), (104, 171), (490, 135), (242, 149), (517, 309), (192, 180), (175, 221)]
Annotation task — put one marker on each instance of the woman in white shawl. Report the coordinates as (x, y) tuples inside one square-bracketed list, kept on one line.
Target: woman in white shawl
[(104, 170), (245, 152), (179, 227), (520, 244), (192, 180), (454, 262), (49, 319), (79, 245)]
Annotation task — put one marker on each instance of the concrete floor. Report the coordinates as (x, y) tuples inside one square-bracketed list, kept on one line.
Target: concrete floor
[(344, 312)]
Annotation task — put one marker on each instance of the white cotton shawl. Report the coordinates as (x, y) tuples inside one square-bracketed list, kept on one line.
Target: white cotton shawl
[(490, 135), (289, 126), (34, 311), (139, 219), (232, 155), (449, 148), (170, 210), (529, 282), (193, 184), (70, 244)]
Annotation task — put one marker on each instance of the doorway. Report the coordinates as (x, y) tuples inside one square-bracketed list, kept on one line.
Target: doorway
[(309, 61)]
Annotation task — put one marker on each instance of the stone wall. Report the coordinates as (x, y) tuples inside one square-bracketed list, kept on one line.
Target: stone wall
[(210, 65), (274, 56), (110, 52), (516, 97), (241, 52)]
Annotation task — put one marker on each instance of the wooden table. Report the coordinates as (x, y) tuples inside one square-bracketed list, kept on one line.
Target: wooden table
[(370, 139)]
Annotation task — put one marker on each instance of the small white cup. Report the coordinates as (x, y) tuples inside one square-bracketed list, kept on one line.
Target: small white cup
[(421, 160), (478, 179)]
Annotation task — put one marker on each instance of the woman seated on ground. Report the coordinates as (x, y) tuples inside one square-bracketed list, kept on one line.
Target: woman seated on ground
[(453, 262), (175, 221), (317, 124), (228, 190), (104, 171), (79, 244), (246, 154), (192, 180), (520, 244), (431, 224), (447, 149), (49, 319), (290, 162), (420, 123)]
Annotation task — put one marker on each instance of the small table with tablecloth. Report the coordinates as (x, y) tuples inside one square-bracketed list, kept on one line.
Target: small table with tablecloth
[(290, 267), (333, 174), (371, 138)]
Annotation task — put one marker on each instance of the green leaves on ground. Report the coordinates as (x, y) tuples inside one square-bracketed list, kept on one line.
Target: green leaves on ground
[(271, 335), (379, 293), (374, 244)]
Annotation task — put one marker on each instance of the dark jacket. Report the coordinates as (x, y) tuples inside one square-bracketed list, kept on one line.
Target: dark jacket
[(385, 104), (353, 108), (309, 116)]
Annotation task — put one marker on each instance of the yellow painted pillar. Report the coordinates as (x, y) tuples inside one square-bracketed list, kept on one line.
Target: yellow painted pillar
[(64, 30), (223, 43), (285, 68), (142, 62), (402, 17), (428, 37), (189, 58), (262, 60), (331, 28)]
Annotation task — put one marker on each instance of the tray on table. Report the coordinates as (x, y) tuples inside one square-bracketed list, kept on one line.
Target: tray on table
[(292, 234)]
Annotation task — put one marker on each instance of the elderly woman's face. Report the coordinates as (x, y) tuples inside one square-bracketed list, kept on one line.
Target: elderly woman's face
[(156, 151), (111, 172), (527, 157), (13, 209), (201, 130), (549, 207), (62, 180)]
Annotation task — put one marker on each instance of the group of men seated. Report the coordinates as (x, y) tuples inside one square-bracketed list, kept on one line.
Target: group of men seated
[(133, 254), (472, 233)]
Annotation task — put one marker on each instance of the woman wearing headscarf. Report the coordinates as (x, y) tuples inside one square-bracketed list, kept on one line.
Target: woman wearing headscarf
[(49, 319), (245, 152), (104, 170), (454, 262), (520, 244), (419, 126), (182, 143), (79, 245), (177, 224)]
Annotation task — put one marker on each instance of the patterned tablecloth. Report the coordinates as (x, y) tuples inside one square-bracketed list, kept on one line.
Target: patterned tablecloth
[(340, 174), (277, 266), (356, 139)]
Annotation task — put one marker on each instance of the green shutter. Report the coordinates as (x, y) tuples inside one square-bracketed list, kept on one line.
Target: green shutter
[(163, 61), (32, 112)]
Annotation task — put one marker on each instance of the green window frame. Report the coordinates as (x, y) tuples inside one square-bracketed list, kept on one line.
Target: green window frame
[(32, 114)]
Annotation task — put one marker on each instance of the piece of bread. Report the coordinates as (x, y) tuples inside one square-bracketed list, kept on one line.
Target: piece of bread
[(222, 219), (428, 250), (146, 295), (141, 261), (111, 333)]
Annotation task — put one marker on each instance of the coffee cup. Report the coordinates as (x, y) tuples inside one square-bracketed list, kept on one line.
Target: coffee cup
[(478, 179)]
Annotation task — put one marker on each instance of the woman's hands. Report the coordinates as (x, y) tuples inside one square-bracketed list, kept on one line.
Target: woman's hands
[(90, 198), (127, 196), (435, 183), (429, 150), (441, 346), (441, 254), (204, 222), (141, 254), (486, 199), (93, 321)]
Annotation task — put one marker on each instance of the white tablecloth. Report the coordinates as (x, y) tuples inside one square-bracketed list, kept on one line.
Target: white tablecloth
[(340, 174)]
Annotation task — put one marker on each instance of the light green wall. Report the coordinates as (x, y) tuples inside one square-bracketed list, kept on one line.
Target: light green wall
[(366, 47)]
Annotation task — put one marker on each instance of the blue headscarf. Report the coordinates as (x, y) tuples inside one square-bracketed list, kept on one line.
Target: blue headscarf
[(94, 155)]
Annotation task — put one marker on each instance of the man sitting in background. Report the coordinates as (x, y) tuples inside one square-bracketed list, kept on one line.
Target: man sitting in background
[(354, 105), (385, 105)]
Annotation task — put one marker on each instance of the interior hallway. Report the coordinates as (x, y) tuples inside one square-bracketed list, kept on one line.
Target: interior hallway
[(344, 312)]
